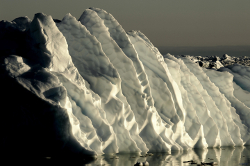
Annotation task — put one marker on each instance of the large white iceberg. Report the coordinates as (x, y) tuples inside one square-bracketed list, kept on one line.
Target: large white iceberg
[(88, 87)]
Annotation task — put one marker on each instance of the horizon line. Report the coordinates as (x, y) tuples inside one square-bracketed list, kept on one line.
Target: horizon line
[(210, 46)]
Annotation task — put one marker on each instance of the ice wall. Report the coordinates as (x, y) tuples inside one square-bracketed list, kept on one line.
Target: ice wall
[(119, 93)]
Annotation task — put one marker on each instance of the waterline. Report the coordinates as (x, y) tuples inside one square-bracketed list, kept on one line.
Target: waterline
[(224, 156)]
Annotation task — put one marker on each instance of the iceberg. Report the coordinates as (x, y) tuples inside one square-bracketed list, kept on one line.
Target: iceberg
[(86, 87)]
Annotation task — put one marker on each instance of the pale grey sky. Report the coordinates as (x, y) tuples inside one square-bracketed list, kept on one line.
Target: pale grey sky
[(164, 22)]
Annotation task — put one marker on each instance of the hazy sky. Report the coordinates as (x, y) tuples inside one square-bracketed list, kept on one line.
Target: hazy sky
[(164, 22)]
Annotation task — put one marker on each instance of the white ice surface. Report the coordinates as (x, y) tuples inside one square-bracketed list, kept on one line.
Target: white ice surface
[(123, 96), (242, 95), (241, 75), (208, 112), (233, 123), (104, 80), (239, 111), (131, 87)]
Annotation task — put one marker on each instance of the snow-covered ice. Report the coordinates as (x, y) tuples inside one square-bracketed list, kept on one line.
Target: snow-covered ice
[(116, 90)]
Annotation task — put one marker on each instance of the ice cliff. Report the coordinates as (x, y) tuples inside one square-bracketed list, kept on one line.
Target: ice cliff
[(87, 87)]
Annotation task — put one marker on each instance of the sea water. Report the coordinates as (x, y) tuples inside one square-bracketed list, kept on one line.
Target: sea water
[(223, 156)]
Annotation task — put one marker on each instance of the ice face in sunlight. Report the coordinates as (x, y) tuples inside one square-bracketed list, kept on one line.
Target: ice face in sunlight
[(109, 91)]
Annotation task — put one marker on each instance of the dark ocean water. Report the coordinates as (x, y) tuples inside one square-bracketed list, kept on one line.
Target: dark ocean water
[(224, 156), (236, 51)]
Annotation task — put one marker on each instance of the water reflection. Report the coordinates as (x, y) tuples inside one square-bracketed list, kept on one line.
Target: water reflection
[(224, 156)]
